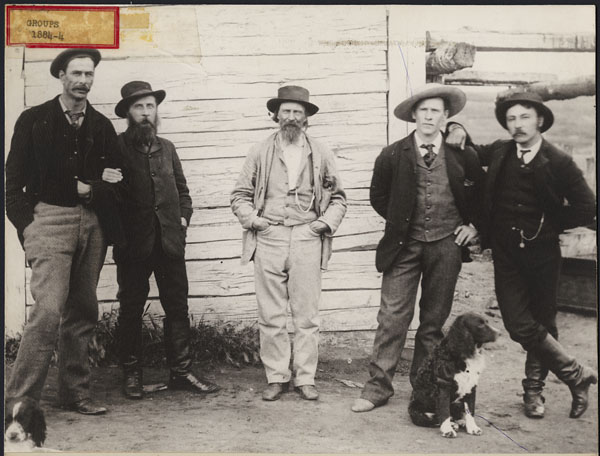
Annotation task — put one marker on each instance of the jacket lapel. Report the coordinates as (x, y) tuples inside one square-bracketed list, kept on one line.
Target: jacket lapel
[(538, 164), (455, 173), (496, 164), (90, 132), (407, 158)]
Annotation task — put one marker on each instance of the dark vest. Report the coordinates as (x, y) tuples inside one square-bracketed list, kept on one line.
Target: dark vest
[(435, 215), (68, 164), (517, 206)]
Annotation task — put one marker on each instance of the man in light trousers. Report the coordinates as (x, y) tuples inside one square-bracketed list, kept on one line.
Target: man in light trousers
[(64, 214), (290, 201)]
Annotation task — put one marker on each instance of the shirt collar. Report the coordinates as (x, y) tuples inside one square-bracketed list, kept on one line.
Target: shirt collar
[(64, 108), (437, 143), (529, 155)]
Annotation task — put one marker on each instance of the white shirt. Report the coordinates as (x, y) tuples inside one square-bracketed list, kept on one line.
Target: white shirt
[(64, 108), (437, 143), (292, 156), (529, 155)]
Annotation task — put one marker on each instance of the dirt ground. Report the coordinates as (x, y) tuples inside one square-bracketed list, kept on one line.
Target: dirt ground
[(236, 420)]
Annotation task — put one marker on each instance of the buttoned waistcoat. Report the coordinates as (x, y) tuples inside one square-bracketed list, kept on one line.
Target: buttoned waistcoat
[(565, 198), (393, 192)]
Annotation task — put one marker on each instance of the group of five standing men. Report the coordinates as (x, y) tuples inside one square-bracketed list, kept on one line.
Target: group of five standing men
[(73, 186)]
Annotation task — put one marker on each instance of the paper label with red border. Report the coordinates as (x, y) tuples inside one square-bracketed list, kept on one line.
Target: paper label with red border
[(51, 26)]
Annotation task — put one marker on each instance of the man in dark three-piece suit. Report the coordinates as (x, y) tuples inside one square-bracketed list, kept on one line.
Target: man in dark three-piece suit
[(428, 193), (528, 182)]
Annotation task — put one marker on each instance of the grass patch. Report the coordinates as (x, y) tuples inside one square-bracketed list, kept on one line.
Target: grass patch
[(211, 342)]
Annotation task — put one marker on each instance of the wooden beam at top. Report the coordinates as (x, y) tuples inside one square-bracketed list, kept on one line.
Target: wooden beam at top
[(502, 41)]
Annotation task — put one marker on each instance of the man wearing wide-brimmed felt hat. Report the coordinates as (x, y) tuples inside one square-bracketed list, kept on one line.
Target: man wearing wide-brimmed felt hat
[(529, 179), (427, 193), (290, 201), (155, 213), (65, 216)]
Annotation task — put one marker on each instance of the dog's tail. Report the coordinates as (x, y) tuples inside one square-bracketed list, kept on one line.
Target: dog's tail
[(421, 418)]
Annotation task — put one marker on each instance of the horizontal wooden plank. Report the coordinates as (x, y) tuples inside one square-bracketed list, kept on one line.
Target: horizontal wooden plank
[(225, 77), (558, 90), (344, 137), (277, 29), (229, 278), (361, 229), (338, 311), (190, 33), (515, 41), (203, 116), (211, 181), (472, 77)]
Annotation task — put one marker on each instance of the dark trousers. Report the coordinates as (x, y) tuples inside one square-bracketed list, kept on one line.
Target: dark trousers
[(526, 281), (437, 265), (133, 278)]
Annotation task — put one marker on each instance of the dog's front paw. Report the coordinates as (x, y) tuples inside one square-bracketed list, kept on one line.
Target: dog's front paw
[(471, 427), (461, 423), (448, 428)]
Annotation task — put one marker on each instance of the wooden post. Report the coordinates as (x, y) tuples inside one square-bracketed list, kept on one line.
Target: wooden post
[(558, 90), (450, 57), (14, 258)]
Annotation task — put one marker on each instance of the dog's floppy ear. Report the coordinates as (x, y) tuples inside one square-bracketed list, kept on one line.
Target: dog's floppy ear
[(460, 341), (38, 427)]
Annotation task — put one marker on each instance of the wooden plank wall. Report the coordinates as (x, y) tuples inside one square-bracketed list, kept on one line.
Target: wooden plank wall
[(219, 65)]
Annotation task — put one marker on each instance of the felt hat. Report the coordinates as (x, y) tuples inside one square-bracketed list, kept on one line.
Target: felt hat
[(61, 61), (135, 90), (531, 98), (294, 94), (455, 100)]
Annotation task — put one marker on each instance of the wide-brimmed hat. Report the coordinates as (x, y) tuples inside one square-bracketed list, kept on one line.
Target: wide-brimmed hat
[(295, 94), (135, 90), (61, 61), (455, 100), (531, 98)]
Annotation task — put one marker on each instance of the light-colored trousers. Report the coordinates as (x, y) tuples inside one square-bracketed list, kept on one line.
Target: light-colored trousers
[(66, 248), (287, 268)]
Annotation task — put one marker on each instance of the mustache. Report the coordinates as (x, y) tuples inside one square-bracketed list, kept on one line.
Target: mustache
[(81, 87)]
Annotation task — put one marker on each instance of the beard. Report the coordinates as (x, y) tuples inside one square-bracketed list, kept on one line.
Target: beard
[(291, 129), (141, 133)]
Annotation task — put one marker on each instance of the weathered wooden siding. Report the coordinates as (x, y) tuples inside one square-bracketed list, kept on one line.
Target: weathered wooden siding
[(219, 66)]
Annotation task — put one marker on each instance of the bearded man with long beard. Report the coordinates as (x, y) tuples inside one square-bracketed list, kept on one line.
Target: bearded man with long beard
[(289, 200), (155, 215)]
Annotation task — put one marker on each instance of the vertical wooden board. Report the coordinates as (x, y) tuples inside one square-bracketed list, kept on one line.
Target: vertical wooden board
[(14, 258), (406, 61)]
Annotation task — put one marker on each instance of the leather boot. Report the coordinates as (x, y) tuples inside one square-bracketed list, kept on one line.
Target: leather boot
[(533, 385), (132, 379), (577, 377), (177, 345)]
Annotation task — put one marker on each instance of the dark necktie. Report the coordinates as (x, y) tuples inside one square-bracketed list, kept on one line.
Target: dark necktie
[(430, 155), (522, 156), (74, 116)]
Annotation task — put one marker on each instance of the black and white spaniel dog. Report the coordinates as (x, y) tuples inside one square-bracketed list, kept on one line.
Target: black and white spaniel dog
[(444, 390), (24, 425)]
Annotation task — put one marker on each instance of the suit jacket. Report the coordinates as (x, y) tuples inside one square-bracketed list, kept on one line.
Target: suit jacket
[(556, 177), (394, 190), (28, 160), (157, 197)]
